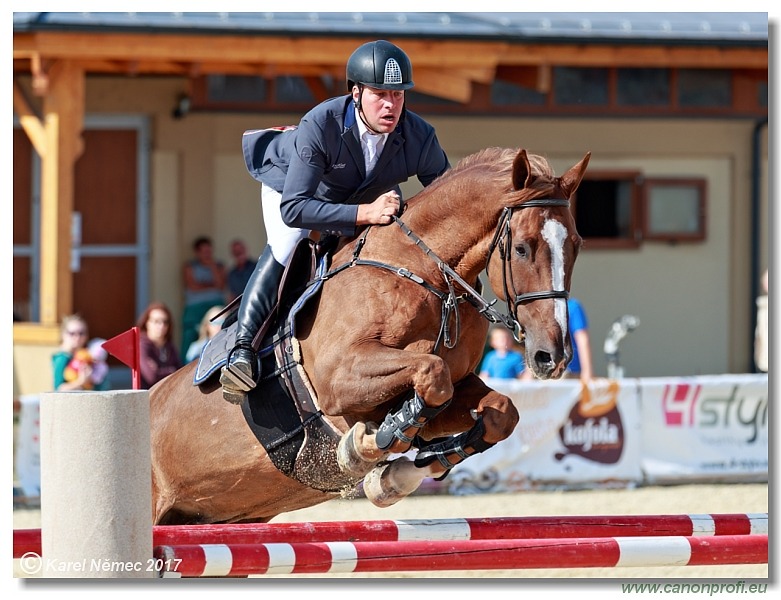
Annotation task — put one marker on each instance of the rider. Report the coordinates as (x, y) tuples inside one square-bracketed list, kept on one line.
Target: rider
[(324, 175)]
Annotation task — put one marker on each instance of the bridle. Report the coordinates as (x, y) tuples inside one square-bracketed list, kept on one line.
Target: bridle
[(503, 242)]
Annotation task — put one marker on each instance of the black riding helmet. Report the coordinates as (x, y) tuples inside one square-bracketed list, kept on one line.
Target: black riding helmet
[(380, 65)]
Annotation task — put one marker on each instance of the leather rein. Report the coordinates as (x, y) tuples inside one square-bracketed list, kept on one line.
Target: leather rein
[(502, 241)]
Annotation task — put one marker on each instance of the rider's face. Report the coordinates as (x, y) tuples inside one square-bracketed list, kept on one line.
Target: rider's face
[(381, 108)]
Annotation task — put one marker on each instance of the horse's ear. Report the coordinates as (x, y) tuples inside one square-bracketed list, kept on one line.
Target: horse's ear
[(522, 171), (572, 178)]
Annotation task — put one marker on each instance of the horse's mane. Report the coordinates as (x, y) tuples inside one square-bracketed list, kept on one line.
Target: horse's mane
[(496, 164)]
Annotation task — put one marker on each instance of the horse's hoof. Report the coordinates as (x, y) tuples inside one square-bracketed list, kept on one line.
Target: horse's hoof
[(390, 482), (348, 455)]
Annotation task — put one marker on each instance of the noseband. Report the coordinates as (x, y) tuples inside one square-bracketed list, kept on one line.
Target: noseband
[(502, 241)]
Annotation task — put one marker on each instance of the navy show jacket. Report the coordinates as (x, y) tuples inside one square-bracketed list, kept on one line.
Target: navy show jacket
[(319, 168)]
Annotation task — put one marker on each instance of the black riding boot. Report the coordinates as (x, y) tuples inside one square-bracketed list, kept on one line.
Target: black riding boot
[(240, 374)]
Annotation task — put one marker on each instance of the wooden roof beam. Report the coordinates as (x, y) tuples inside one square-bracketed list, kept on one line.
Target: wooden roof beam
[(450, 85), (247, 49), (30, 121), (593, 55)]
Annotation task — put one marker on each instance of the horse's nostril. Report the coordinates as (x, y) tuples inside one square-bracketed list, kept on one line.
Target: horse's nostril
[(543, 359)]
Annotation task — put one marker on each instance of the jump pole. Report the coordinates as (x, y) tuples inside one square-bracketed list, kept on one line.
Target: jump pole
[(96, 484), (485, 528), (475, 528), (221, 560)]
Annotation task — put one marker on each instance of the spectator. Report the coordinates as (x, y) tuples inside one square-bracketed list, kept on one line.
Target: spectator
[(207, 331), (77, 366), (581, 365), (158, 355), (242, 268), (204, 287), (504, 361), (761, 332)]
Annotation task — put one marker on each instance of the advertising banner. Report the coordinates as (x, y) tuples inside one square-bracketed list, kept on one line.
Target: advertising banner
[(28, 449), (708, 427), (568, 435)]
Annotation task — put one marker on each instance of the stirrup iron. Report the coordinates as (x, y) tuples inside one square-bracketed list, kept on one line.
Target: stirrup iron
[(235, 376)]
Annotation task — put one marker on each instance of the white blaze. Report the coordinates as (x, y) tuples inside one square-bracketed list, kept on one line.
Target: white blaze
[(555, 233)]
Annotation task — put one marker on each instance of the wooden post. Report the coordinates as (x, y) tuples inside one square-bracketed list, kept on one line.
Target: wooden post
[(63, 109)]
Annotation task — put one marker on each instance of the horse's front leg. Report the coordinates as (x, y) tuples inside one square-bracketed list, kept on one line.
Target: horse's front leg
[(377, 375), (483, 417)]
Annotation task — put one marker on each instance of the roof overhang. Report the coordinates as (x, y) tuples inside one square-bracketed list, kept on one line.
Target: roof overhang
[(443, 67)]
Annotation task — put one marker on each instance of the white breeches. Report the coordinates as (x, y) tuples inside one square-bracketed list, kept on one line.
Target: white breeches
[(281, 239)]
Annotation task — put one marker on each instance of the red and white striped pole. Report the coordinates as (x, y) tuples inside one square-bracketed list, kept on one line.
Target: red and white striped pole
[(29, 540), (225, 560)]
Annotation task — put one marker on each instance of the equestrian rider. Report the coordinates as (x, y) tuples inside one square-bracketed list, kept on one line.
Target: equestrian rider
[(326, 175)]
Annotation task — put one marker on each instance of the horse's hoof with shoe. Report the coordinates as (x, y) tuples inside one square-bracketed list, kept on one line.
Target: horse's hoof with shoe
[(392, 481), (355, 454)]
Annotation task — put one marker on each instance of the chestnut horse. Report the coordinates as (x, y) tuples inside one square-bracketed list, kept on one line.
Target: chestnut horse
[(394, 338)]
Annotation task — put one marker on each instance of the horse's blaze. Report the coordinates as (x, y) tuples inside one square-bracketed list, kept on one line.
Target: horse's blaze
[(554, 233)]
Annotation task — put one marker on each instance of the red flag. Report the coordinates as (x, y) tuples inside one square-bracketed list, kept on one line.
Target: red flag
[(125, 347)]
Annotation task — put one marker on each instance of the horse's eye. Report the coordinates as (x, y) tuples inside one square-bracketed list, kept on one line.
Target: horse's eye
[(522, 250)]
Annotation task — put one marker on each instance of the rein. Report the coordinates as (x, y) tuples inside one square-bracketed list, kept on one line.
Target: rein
[(502, 240)]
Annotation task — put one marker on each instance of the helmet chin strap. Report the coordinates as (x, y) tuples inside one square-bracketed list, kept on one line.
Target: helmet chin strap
[(369, 127), (357, 104)]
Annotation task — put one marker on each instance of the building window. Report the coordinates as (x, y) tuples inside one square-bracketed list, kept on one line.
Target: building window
[(643, 87), (235, 89), (292, 89), (704, 88), (520, 90), (578, 87), (762, 94), (623, 209), (506, 93), (606, 209), (674, 209), (413, 98)]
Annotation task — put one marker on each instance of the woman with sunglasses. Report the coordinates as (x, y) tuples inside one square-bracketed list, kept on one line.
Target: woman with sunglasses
[(74, 366)]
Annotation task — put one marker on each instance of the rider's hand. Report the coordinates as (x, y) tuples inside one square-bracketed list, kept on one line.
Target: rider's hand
[(379, 212)]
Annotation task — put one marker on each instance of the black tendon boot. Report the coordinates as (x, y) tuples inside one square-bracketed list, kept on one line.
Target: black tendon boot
[(240, 374)]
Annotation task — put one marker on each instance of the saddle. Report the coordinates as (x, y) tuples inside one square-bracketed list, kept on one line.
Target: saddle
[(282, 411)]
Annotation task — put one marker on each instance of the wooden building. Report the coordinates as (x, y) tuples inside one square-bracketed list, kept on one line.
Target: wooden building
[(127, 131)]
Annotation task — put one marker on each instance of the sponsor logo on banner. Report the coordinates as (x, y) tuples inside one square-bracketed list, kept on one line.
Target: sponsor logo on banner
[(679, 402), (593, 429), (721, 414)]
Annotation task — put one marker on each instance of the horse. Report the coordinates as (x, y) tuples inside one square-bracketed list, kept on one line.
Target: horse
[(388, 349)]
